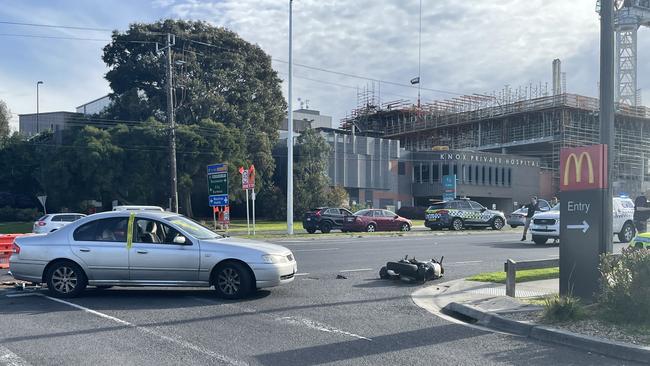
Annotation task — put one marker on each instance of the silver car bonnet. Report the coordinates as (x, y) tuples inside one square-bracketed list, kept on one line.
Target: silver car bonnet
[(262, 247)]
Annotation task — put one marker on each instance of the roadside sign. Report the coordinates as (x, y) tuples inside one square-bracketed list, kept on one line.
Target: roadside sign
[(247, 177), (582, 184), (448, 187), (218, 184), (42, 200)]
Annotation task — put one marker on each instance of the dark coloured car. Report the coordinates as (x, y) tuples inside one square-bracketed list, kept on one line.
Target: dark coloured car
[(371, 220), (463, 213), (324, 219)]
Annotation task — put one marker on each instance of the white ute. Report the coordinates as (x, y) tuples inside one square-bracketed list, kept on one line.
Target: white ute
[(546, 225)]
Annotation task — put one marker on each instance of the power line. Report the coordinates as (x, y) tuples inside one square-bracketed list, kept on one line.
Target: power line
[(71, 38), (57, 26)]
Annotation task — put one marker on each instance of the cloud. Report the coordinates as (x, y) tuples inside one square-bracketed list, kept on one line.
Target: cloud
[(467, 46)]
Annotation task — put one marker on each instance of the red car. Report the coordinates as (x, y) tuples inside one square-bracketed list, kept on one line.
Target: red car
[(372, 220)]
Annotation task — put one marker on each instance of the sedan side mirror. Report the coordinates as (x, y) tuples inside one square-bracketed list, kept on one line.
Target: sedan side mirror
[(396, 216), (179, 240)]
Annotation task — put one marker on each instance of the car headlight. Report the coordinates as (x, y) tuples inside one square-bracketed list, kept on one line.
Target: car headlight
[(275, 258)]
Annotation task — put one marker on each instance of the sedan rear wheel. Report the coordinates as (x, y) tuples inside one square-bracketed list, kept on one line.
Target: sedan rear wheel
[(371, 228), (233, 281), (65, 279)]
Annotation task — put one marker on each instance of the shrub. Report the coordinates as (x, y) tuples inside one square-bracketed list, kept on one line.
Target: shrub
[(412, 213), (625, 288), (562, 308), (18, 214)]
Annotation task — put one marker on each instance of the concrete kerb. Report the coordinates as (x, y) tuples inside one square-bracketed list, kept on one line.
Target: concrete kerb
[(426, 298)]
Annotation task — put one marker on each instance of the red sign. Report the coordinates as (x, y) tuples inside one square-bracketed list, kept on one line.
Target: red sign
[(247, 177), (583, 168)]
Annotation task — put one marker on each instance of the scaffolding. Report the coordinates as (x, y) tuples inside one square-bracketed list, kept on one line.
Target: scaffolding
[(524, 121)]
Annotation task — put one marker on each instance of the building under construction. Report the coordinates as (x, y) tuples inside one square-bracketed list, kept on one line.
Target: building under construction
[(530, 122)]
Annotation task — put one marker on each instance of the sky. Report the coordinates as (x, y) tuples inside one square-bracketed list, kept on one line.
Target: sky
[(471, 46)]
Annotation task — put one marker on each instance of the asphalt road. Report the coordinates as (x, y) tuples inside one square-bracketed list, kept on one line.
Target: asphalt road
[(318, 319)]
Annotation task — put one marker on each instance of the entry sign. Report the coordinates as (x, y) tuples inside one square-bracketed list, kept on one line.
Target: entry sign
[(218, 185), (582, 184), (448, 187)]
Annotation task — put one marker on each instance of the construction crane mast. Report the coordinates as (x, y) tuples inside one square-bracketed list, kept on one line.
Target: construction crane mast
[(629, 16)]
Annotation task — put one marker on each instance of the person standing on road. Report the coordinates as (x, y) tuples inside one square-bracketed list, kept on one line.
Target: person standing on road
[(532, 207), (641, 213)]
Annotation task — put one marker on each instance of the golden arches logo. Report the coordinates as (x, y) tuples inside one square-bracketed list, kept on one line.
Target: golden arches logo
[(578, 164)]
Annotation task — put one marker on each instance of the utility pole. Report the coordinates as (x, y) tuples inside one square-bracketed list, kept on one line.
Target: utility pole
[(290, 128), (171, 40), (607, 115)]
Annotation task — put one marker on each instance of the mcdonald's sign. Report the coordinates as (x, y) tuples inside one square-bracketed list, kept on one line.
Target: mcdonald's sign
[(583, 168)]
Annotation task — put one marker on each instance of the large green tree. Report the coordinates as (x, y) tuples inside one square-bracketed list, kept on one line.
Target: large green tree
[(217, 77), (310, 172)]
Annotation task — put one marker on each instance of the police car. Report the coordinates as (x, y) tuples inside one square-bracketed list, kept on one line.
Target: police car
[(462, 213), (546, 225)]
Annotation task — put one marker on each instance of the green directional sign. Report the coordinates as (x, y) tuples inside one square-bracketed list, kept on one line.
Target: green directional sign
[(218, 183)]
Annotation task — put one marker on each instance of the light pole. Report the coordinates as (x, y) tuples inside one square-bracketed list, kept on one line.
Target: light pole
[(607, 127), (37, 104), (290, 129)]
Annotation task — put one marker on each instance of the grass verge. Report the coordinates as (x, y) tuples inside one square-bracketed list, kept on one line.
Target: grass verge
[(522, 276), (18, 227)]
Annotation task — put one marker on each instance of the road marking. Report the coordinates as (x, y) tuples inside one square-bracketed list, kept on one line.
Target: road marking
[(9, 358), (23, 294), (468, 262), (356, 270), (301, 274), (314, 250), (319, 326), (224, 359)]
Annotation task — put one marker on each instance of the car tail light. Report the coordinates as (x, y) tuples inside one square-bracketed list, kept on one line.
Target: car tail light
[(16, 248), (317, 214), (42, 223)]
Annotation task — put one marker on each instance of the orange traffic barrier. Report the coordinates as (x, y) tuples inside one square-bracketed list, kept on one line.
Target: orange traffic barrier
[(7, 248)]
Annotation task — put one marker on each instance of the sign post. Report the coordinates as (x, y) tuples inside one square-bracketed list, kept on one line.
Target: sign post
[(217, 188), (583, 182), (42, 200), (448, 187), (248, 183)]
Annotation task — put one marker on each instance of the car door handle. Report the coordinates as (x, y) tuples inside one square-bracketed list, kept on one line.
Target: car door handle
[(140, 251), (85, 250)]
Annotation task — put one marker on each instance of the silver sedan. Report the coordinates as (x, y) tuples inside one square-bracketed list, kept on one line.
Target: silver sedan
[(144, 248)]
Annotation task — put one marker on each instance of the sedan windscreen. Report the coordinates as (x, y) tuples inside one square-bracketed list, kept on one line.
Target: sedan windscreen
[(193, 228)]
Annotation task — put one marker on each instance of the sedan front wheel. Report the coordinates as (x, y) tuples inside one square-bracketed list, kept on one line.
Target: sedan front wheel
[(233, 281)]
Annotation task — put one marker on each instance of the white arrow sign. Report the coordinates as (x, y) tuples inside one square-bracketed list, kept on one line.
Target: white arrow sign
[(584, 226)]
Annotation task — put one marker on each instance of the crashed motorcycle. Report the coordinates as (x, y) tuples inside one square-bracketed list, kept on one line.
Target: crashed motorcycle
[(413, 270)]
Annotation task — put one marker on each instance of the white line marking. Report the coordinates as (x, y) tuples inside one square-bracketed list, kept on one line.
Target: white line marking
[(301, 274), (182, 343), (9, 358), (314, 250), (468, 262), (356, 270), (23, 294), (319, 326)]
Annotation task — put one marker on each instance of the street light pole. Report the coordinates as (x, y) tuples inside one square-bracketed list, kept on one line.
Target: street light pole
[(37, 104), (607, 127), (290, 128), (172, 126)]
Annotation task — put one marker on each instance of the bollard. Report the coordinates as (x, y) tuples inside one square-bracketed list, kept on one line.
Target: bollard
[(511, 274)]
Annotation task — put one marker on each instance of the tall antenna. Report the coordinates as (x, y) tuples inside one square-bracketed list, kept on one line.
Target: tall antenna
[(419, 54)]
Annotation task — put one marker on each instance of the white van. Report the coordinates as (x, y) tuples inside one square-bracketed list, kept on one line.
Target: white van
[(546, 225)]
